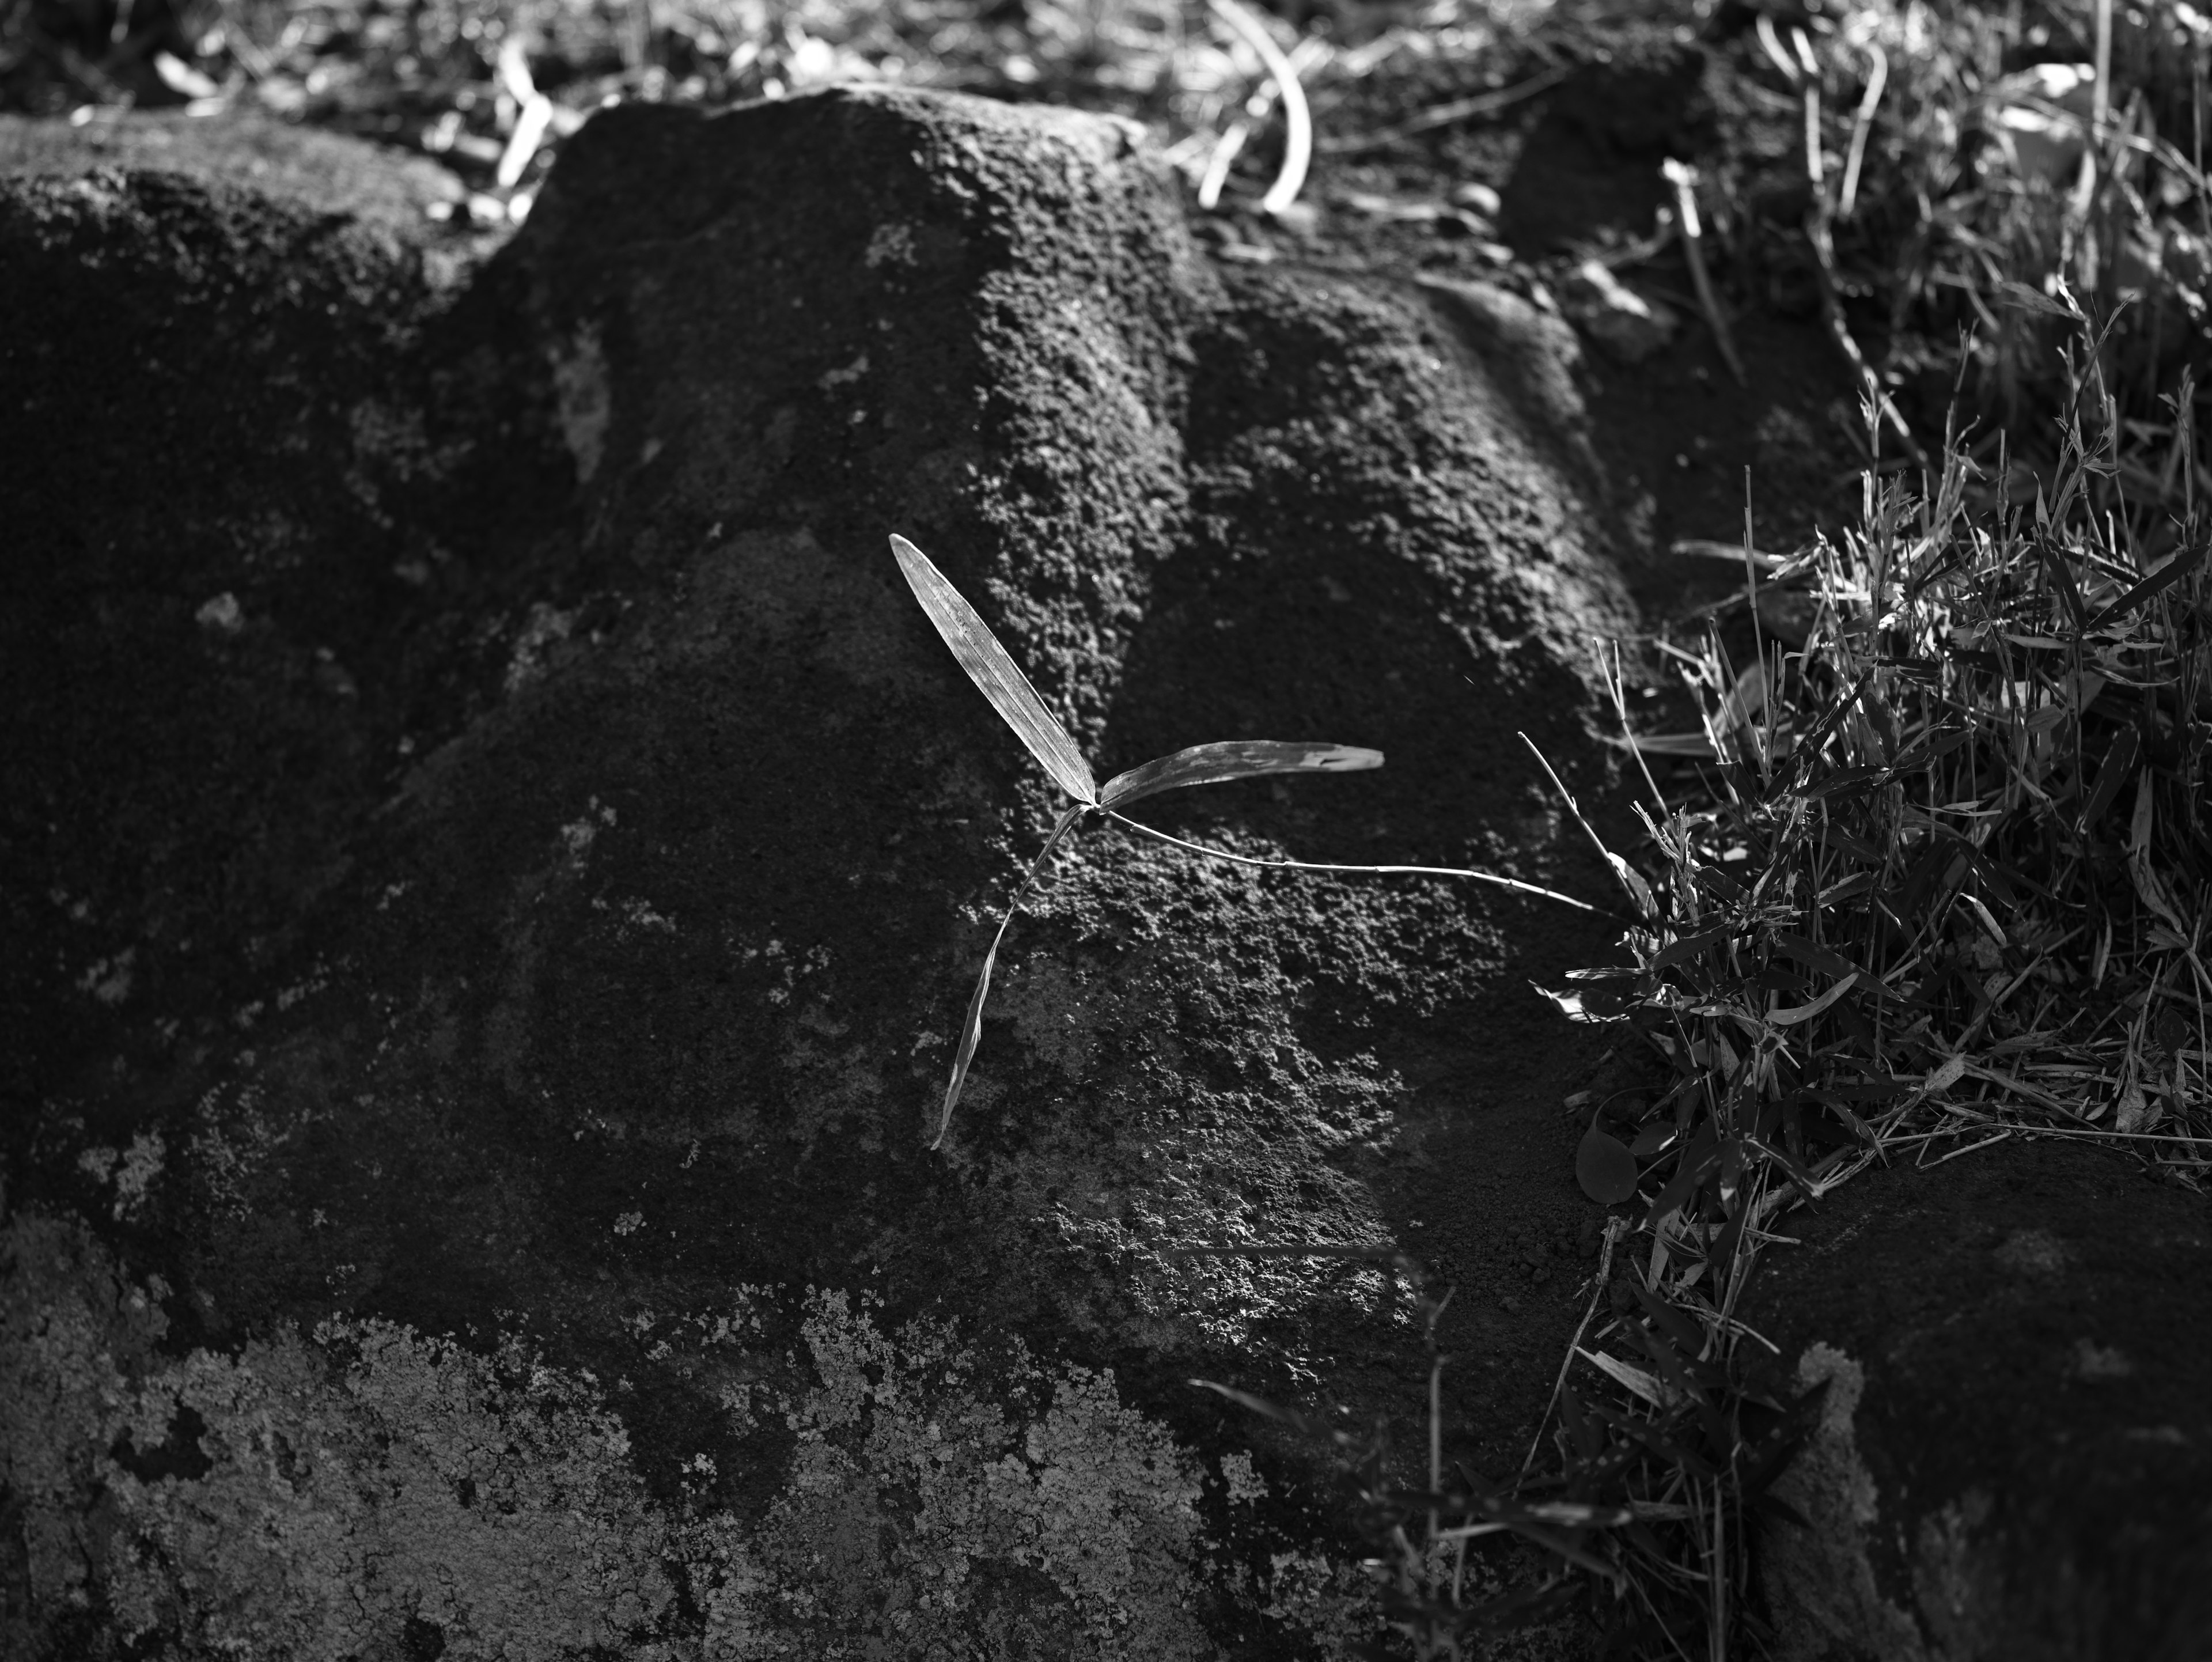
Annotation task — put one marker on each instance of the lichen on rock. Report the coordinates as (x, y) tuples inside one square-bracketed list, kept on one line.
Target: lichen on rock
[(317, 1495)]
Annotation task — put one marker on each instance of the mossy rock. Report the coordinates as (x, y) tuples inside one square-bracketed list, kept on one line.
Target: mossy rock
[(516, 855)]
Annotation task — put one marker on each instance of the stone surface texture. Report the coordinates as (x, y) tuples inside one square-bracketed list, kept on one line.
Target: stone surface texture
[(512, 857), (2013, 1452), (496, 859)]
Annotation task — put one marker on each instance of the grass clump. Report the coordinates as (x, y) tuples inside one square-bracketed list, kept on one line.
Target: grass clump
[(1936, 875)]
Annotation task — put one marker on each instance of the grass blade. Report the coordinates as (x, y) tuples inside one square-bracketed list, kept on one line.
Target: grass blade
[(971, 1029), (1513, 883), (992, 669), (2164, 578), (1234, 759), (1639, 892)]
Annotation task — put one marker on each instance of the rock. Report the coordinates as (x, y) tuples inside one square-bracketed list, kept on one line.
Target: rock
[(328, 172), (1477, 198), (1630, 326), (517, 857), (2015, 1447), (1533, 359)]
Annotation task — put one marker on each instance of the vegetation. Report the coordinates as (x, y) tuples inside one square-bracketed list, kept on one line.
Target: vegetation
[(1940, 879)]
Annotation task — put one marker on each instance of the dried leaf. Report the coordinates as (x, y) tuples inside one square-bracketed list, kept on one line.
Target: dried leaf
[(1635, 1379), (1946, 1076), (2135, 1113), (1234, 759), (992, 669)]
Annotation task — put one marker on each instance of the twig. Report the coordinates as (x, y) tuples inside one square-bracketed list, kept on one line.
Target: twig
[(1217, 164), (1297, 120), (1877, 78), (1808, 93), (1684, 179), (1839, 331)]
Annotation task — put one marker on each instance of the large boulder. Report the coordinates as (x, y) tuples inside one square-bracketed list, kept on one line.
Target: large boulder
[(512, 856), (2012, 1449)]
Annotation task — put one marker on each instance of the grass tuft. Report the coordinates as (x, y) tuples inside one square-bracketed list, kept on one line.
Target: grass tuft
[(1934, 876)]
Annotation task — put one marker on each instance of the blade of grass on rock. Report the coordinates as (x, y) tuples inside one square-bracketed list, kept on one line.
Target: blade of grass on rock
[(991, 668), (1513, 883), (971, 1029), (1234, 759)]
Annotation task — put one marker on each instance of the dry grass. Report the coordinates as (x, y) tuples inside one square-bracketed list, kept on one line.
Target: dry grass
[(492, 86)]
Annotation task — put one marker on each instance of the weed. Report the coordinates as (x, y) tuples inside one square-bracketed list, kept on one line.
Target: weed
[(993, 670)]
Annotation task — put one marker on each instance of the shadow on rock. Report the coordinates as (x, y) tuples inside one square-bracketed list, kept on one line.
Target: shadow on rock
[(2011, 1454)]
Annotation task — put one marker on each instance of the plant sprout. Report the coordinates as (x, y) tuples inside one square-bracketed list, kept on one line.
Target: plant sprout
[(993, 670)]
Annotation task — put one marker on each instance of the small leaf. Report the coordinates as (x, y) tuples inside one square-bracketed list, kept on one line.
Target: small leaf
[(992, 669), (1828, 962), (2031, 300), (1790, 1016), (1234, 759), (1604, 1003), (2165, 577), (1633, 880), (2119, 764), (1605, 1168), (1689, 946), (1635, 1379), (1578, 1006), (1695, 746)]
